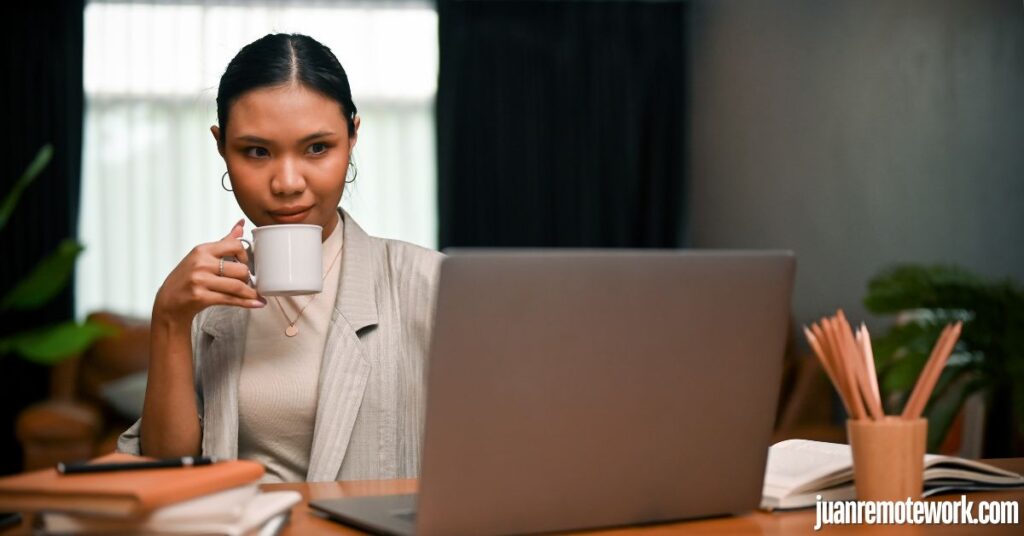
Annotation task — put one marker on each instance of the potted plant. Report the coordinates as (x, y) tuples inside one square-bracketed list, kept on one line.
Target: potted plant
[(988, 359), (53, 343)]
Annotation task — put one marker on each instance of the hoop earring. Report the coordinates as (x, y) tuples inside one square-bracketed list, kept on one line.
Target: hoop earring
[(355, 172), (222, 182)]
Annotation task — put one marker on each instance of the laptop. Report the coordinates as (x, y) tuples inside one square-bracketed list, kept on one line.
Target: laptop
[(592, 388)]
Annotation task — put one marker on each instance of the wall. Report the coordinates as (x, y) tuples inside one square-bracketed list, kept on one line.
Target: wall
[(859, 134)]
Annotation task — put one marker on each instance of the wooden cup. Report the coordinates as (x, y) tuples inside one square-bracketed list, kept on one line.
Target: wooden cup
[(888, 457)]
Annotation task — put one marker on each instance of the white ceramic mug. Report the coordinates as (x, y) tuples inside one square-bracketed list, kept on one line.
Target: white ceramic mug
[(286, 260)]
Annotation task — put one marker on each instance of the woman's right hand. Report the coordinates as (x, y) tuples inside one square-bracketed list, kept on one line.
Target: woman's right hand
[(170, 415), (196, 283)]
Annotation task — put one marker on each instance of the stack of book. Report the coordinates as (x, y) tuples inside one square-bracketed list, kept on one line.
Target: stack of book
[(220, 498)]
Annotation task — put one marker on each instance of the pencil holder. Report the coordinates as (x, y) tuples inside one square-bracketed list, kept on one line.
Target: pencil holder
[(888, 457)]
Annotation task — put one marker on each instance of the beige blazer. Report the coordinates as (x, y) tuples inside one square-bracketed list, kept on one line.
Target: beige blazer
[(369, 420)]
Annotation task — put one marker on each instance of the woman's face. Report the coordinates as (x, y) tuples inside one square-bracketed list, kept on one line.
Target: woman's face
[(287, 151)]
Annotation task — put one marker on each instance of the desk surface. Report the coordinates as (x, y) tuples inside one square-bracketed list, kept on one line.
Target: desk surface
[(305, 521)]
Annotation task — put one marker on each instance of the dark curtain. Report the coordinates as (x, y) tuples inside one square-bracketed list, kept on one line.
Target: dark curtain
[(44, 98), (561, 124)]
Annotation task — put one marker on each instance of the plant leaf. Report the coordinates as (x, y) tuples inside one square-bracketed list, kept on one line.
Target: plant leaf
[(34, 169), (45, 280), (901, 375), (902, 342), (910, 287), (55, 343)]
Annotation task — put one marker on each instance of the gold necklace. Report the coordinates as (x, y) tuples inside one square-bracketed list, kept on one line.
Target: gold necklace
[(292, 330)]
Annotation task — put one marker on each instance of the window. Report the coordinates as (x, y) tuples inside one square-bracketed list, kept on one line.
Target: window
[(151, 172)]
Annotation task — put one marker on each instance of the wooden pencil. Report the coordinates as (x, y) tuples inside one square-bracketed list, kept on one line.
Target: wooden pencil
[(915, 393), (856, 356), (819, 332), (825, 364), (933, 369), (865, 344), (841, 373), (846, 371), (856, 359)]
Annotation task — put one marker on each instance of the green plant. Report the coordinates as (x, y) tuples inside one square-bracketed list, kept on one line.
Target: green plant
[(989, 357), (47, 344)]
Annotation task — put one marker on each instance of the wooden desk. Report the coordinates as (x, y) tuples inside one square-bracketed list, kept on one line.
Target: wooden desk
[(304, 521)]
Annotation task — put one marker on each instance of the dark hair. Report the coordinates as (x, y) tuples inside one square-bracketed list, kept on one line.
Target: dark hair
[(281, 59)]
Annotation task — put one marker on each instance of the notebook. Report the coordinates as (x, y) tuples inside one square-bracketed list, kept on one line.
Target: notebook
[(197, 516), (122, 493), (588, 388), (799, 470)]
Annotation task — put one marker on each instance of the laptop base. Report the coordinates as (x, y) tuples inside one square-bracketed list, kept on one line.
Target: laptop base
[(382, 514)]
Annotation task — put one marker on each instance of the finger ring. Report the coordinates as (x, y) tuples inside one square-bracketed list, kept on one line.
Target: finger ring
[(221, 271)]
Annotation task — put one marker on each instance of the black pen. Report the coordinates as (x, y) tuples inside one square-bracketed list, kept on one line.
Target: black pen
[(185, 461)]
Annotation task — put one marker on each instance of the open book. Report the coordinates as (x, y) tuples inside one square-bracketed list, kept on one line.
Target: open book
[(799, 470)]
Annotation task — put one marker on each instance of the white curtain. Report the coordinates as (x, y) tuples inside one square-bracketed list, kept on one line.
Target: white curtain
[(151, 172)]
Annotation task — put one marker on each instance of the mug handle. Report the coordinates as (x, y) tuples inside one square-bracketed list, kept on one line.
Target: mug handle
[(250, 250)]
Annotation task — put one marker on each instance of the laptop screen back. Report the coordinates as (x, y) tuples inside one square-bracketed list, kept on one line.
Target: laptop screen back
[(573, 389)]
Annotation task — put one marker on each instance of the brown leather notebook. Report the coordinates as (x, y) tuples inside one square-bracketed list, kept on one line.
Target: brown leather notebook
[(120, 493)]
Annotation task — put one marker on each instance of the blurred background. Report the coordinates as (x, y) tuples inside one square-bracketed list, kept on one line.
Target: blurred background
[(880, 141)]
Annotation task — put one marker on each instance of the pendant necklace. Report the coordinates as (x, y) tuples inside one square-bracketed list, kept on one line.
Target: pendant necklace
[(293, 330)]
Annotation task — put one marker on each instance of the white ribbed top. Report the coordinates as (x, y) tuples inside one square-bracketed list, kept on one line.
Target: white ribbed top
[(277, 389)]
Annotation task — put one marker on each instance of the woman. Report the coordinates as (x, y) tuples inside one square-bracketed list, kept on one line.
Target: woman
[(327, 387)]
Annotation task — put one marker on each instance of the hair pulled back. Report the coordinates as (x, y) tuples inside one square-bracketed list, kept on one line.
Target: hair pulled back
[(281, 59)]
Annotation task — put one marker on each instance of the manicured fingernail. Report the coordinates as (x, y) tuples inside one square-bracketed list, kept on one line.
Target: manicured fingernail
[(241, 223), (256, 303)]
